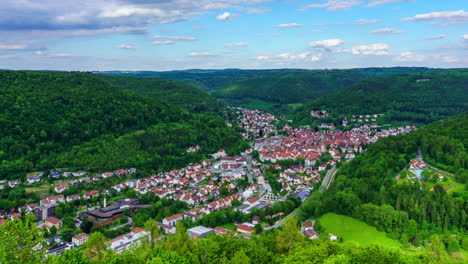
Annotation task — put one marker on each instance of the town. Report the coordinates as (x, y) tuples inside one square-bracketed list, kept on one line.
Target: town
[(282, 167)]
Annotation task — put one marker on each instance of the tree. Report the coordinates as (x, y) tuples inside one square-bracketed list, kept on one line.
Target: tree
[(21, 241), (153, 228), (53, 231), (240, 258), (95, 246), (180, 242), (286, 238), (258, 229), (86, 225), (73, 256)]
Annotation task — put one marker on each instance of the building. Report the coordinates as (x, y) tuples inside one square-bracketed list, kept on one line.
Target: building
[(108, 215), (200, 232), (245, 228), (53, 221), (79, 239), (125, 242), (173, 219), (332, 237)]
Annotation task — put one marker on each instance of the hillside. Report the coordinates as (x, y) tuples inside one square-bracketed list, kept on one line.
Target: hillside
[(172, 92), (209, 80), (45, 114), (290, 89), (415, 98), (374, 187)]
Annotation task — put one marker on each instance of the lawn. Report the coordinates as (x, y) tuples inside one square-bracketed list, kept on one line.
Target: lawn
[(349, 229), (231, 227), (42, 188)]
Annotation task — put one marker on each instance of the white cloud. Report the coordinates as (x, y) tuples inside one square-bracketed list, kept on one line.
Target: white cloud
[(435, 37), (236, 45), (326, 44), (202, 54), (174, 38), (317, 57), (386, 31), (7, 56), (373, 49), (465, 37), (290, 25), (382, 2), (334, 5), (164, 42), (13, 46), (126, 46), (409, 57), (56, 55), (367, 22), (450, 59), (263, 57), (224, 16), (449, 17), (284, 57)]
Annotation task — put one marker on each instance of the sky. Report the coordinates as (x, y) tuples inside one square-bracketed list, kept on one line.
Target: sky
[(161, 35)]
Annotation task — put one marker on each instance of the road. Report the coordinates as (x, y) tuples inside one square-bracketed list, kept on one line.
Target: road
[(249, 168), (420, 158), (281, 221), (328, 179)]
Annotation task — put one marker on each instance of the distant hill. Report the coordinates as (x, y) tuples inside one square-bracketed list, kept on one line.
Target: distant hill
[(177, 93), (290, 88), (209, 80), (418, 98), (47, 114)]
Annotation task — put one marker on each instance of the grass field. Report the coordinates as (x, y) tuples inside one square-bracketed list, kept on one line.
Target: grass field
[(42, 188), (349, 229), (231, 227)]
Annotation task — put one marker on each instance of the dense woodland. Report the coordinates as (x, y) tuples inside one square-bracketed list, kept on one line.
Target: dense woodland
[(290, 88), (209, 80), (286, 245), (178, 93), (161, 147), (418, 98), (52, 119), (368, 189)]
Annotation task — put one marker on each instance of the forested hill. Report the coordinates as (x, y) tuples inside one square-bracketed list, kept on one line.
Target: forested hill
[(178, 93), (418, 98), (209, 80), (376, 188), (290, 88), (46, 114)]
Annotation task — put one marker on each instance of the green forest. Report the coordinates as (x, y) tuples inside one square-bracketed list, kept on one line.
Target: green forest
[(178, 93), (419, 98), (52, 119), (209, 80)]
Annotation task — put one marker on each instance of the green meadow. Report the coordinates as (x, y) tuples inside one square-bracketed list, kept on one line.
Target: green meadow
[(348, 229)]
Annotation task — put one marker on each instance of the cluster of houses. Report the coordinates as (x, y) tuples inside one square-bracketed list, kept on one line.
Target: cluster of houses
[(298, 178), (417, 165), (319, 113), (169, 223), (305, 143), (255, 122), (365, 118)]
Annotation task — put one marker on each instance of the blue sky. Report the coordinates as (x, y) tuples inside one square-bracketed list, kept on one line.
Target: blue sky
[(183, 34)]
